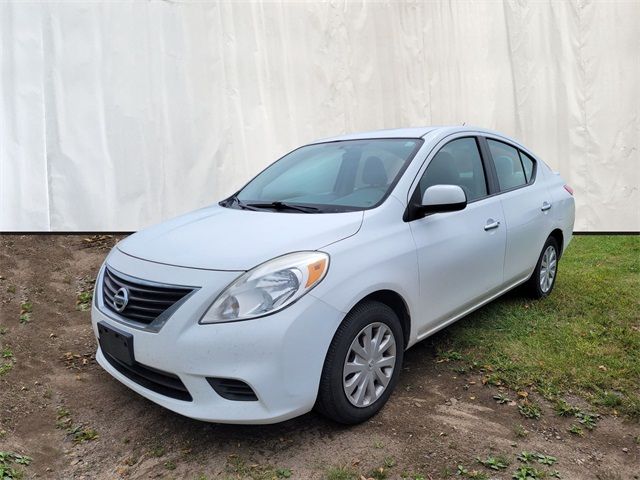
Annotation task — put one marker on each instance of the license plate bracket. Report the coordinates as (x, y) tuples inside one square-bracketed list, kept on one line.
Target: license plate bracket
[(116, 343)]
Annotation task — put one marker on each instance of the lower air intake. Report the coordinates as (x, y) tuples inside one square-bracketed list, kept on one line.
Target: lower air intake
[(233, 389)]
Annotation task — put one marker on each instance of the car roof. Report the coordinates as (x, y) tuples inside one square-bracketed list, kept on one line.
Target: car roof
[(410, 132), (420, 132)]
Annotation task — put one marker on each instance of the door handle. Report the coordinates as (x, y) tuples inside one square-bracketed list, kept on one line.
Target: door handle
[(491, 224), (545, 206)]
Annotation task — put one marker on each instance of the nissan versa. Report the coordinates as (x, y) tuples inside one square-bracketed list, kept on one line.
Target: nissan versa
[(303, 289)]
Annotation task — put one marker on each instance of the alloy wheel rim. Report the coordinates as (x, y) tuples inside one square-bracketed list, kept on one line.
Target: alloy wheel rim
[(369, 364), (548, 268)]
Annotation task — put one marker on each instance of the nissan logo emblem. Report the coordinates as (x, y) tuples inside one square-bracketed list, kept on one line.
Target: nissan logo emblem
[(120, 299)]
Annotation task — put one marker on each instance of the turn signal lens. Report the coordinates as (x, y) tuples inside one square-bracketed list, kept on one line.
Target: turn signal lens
[(316, 271), (568, 189)]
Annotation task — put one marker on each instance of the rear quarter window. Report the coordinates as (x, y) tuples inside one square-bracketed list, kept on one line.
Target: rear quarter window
[(528, 164)]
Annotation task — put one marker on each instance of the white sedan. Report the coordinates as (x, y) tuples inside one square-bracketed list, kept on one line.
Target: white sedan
[(304, 288)]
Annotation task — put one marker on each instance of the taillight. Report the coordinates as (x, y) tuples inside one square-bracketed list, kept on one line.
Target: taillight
[(568, 189)]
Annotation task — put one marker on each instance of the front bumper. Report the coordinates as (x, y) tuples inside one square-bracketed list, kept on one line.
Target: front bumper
[(279, 356)]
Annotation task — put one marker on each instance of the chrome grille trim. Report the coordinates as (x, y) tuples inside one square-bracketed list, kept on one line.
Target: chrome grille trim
[(149, 305)]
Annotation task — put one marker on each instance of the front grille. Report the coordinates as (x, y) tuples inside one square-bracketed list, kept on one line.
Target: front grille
[(155, 380), (146, 302), (232, 389)]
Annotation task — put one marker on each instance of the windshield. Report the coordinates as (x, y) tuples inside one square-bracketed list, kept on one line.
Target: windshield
[(329, 177)]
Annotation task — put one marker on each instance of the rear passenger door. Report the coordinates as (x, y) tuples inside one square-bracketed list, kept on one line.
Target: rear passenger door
[(526, 204)]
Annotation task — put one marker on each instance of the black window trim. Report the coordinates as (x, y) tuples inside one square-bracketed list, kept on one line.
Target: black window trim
[(484, 140), (534, 168), (490, 180)]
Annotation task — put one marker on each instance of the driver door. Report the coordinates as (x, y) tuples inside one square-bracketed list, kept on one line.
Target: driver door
[(460, 254)]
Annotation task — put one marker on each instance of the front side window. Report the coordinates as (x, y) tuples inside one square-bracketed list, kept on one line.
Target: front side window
[(508, 165), (457, 163), (330, 177)]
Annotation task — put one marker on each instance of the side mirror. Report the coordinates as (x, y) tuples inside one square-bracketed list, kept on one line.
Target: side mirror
[(443, 198)]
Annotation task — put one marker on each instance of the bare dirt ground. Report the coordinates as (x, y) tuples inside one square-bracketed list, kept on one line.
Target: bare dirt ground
[(55, 399)]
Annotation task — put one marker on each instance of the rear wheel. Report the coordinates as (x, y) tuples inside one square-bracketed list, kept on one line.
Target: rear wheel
[(543, 278), (362, 365)]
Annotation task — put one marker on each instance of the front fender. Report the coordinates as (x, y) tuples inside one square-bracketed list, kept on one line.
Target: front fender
[(381, 256)]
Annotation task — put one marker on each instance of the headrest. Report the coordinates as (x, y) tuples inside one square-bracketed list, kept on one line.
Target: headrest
[(442, 170), (504, 164), (374, 173)]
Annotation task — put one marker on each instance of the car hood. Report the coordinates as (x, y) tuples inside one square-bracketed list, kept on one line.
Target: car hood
[(219, 238)]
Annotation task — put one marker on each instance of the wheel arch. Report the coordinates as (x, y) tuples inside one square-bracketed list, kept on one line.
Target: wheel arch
[(397, 303), (558, 236)]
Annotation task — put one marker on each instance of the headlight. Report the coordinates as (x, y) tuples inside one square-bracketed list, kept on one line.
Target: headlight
[(269, 287)]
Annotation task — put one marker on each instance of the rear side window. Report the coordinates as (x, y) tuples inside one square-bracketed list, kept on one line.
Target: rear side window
[(527, 163), (457, 163), (508, 165)]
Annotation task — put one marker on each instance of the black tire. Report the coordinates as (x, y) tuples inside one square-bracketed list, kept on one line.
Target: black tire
[(332, 400), (533, 285)]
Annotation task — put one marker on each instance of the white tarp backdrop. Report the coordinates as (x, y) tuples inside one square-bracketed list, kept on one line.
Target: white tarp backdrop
[(116, 115)]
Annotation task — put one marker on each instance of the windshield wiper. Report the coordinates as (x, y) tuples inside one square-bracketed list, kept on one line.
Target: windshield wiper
[(234, 200), (277, 205)]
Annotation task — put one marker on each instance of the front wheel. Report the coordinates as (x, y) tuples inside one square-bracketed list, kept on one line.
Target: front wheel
[(544, 276), (362, 365)]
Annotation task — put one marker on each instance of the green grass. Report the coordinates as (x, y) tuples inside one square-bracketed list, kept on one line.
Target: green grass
[(81, 434), (5, 368), (584, 338), (494, 463), (83, 301), (241, 469), (341, 472), (8, 462)]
